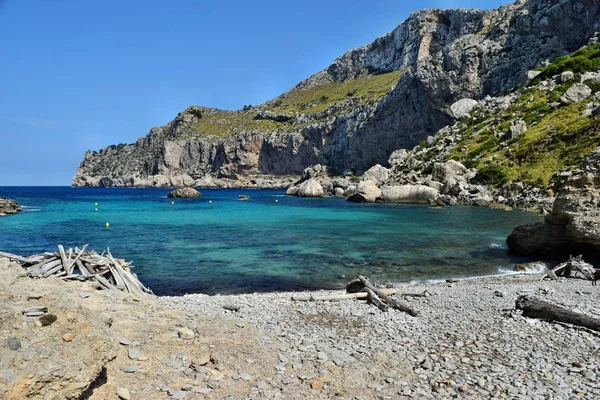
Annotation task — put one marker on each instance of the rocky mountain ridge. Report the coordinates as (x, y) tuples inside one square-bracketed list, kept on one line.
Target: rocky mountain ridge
[(376, 99)]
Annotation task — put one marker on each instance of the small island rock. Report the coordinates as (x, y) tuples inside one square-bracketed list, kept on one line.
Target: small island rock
[(8, 207), (186, 192)]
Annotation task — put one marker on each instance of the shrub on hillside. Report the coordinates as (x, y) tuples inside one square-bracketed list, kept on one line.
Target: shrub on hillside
[(583, 60), (493, 175)]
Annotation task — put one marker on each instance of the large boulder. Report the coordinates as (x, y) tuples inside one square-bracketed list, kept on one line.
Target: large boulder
[(365, 192), (314, 171), (462, 108), (377, 173), (443, 172), (398, 157), (576, 93), (517, 129), (409, 194), (186, 192), (310, 188), (573, 226)]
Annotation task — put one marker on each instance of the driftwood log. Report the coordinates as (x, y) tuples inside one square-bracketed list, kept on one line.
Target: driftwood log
[(377, 296), (75, 264), (362, 288), (574, 267), (359, 295), (535, 308)]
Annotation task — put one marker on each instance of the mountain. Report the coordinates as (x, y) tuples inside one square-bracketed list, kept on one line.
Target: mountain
[(390, 94)]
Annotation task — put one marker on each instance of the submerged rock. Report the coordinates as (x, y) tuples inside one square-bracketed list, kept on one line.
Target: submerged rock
[(186, 192)]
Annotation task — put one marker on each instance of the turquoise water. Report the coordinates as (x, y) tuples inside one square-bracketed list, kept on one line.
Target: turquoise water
[(271, 242)]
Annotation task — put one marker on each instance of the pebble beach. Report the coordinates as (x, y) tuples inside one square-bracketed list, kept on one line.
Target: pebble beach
[(467, 342)]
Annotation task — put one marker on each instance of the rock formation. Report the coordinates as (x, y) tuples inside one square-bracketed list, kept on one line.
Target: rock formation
[(573, 226), (8, 207), (186, 192), (400, 89)]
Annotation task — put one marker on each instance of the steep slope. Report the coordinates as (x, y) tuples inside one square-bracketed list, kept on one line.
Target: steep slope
[(373, 100)]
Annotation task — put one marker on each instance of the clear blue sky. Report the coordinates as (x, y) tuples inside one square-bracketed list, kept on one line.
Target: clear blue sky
[(84, 74)]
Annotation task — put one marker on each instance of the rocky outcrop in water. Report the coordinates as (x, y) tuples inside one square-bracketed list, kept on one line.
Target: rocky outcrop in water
[(186, 192), (8, 207), (444, 56), (573, 226)]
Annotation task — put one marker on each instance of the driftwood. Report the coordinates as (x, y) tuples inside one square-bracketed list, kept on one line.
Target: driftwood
[(104, 270), (359, 295), (362, 288), (534, 308), (377, 296), (575, 267)]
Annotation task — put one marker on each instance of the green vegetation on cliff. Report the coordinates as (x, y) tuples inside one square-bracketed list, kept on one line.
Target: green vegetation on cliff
[(221, 123), (532, 133), (225, 123), (318, 99)]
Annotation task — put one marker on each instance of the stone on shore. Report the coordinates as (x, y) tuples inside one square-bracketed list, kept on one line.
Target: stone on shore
[(409, 194), (377, 173), (308, 188), (365, 192), (186, 192), (443, 172)]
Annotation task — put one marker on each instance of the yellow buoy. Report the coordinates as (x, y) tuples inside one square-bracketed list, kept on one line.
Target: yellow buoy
[(107, 225), (96, 204), (210, 202), (96, 209), (172, 202), (276, 201)]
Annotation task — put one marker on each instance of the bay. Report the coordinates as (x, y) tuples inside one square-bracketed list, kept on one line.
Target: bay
[(218, 244)]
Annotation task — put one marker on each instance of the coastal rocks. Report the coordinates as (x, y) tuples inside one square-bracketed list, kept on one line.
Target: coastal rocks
[(573, 226), (409, 194), (8, 207), (450, 170), (186, 192), (398, 157), (576, 93), (365, 192), (308, 188), (376, 173), (444, 61), (462, 108)]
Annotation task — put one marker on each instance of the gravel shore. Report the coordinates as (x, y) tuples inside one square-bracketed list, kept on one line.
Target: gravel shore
[(467, 342)]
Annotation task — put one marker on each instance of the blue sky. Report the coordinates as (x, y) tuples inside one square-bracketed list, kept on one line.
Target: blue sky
[(82, 74)]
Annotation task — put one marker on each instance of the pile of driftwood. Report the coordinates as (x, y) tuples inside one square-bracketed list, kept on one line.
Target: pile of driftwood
[(102, 269), (575, 267), (362, 288)]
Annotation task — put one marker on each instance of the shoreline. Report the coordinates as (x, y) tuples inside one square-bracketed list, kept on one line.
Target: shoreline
[(468, 341)]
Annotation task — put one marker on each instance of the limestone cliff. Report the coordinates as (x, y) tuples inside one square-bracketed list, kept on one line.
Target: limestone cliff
[(387, 95)]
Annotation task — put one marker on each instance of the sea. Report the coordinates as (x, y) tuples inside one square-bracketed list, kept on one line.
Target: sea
[(270, 242)]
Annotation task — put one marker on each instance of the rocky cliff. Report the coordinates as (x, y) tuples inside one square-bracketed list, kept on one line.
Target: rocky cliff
[(573, 226), (387, 95)]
